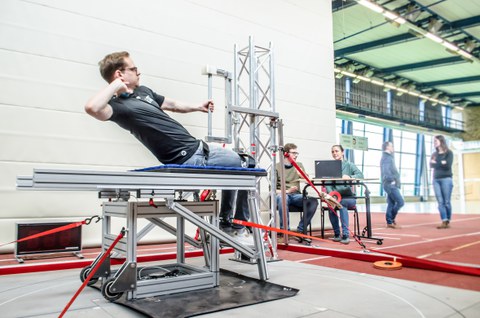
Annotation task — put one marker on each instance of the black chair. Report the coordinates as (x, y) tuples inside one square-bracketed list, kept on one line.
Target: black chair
[(356, 222)]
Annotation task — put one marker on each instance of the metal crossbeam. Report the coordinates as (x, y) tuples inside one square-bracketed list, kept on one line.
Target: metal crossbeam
[(75, 180)]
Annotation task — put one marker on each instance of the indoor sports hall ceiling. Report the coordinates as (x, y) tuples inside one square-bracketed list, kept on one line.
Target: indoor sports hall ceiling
[(421, 47)]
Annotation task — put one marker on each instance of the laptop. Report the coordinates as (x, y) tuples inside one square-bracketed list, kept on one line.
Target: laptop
[(328, 169)]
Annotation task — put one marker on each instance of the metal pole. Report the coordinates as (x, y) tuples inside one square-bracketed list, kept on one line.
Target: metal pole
[(273, 185), (209, 111), (252, 97), (282, 180)]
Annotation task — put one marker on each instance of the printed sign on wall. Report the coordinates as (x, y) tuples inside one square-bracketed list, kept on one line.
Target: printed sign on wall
[(354, 142)]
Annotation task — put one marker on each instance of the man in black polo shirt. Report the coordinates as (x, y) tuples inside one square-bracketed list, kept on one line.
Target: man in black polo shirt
[(141, 111)]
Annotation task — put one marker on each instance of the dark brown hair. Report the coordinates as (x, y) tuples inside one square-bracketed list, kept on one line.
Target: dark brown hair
[(443, 143), (112, 62), (289, 147)]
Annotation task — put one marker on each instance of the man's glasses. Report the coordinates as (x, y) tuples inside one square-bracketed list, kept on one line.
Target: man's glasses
[(133, 69), (294, 153)]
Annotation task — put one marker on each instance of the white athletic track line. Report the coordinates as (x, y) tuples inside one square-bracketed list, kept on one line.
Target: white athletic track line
[(430, 240), (433, 223), (397, 234)]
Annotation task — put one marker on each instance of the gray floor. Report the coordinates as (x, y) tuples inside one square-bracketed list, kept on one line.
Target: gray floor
[(324, 292)]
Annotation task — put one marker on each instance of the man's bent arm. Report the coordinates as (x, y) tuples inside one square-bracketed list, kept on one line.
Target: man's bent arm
[(98, 106)]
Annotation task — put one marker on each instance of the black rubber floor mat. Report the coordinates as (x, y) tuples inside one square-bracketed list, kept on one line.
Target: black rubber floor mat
[(235, 290)]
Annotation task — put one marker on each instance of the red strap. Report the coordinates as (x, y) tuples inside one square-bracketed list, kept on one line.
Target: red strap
[(152, 203), (204, 195), (302, 173), (48, 232), (304, 176), (93, 271), (274, 229)]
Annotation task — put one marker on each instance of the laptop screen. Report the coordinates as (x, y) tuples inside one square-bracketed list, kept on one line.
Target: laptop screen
[(328, 169)]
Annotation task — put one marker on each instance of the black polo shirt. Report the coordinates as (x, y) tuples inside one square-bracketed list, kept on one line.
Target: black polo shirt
[(140, 114)]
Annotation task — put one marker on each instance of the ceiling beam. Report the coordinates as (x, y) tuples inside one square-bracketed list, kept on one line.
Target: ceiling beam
[(426, 64), (460, 24), (374, 44), (466, 23), (465, 95), (452, 81)]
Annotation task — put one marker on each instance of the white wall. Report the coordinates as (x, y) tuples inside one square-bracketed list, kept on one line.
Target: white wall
[(49, 51)]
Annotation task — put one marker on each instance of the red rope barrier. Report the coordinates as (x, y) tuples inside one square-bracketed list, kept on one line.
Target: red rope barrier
[(274, 229), (93, 271)]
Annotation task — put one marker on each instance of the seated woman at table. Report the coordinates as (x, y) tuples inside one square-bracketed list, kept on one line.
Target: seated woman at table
[(349, 171)]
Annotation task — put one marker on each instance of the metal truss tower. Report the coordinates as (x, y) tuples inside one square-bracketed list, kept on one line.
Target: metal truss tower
[(253, 116), (251, 121)]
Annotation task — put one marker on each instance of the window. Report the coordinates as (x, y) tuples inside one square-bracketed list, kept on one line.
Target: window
[(405, 144)]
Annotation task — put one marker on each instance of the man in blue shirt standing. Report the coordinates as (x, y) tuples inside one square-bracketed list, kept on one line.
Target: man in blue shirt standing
[(391, 184)]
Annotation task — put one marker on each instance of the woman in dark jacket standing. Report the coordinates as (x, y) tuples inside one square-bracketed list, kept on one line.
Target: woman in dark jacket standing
[(441, 163)]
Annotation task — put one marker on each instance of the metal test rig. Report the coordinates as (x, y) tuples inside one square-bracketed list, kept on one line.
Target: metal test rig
[(161, 185)]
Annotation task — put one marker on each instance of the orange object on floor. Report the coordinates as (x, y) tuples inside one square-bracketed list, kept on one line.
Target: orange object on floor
[(387, 265)]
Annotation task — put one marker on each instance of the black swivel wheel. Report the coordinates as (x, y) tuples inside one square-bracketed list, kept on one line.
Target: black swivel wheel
[(84, 274), (379, 242), (107, 293)]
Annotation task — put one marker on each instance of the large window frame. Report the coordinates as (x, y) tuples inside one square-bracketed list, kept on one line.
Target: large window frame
[(405, 145)]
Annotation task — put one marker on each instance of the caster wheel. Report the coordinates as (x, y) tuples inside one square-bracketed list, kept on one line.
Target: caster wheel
[(379, 242), (107, 293), (84, 274)]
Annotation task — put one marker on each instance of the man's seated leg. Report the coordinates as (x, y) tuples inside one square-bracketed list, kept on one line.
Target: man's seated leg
[(296, 200), (310, 205), (239, 232), (226, 208), (280, 210)]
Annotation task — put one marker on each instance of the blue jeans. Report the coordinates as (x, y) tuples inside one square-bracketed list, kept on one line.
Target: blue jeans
[(296, 199), (443, 192), (347, 203), (394, 202), (223, 157)]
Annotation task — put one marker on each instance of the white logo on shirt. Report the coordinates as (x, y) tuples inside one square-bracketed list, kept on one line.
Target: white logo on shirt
[(148, 99)]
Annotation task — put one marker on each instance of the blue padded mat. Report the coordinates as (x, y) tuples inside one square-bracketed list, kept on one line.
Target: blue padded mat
[(204, 169)]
